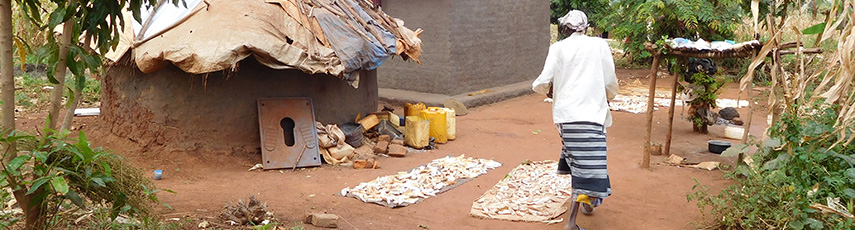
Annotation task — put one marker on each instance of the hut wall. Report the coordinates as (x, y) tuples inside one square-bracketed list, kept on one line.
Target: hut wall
[(218, 111), (470, 45)]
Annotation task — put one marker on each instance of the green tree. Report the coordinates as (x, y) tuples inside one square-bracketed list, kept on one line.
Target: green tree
[(639, 21), (596, 10), (100, 21)]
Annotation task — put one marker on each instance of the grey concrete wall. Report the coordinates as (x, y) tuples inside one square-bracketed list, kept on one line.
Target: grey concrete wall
[(433, 16), (219, 112), (491, 43)]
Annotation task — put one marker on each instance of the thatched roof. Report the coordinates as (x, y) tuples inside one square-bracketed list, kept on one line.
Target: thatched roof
[(335, 37)]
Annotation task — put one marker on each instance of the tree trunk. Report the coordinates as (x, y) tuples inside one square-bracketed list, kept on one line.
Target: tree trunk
[(69, 112), (78, 93), (7, 95), (7, 78), (61, 67), (33, 215)]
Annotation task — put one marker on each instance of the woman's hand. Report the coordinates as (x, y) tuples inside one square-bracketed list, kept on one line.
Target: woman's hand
[(549, 95)]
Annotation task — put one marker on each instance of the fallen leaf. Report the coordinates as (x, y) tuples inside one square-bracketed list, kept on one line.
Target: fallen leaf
[(748, 161), (480, 92), (708, 165), (204, 224), (675, 160)]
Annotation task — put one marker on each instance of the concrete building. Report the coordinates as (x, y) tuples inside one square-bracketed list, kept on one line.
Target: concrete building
[(469, 45)]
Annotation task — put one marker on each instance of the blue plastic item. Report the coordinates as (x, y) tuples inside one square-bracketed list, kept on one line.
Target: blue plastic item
[(158, 174)]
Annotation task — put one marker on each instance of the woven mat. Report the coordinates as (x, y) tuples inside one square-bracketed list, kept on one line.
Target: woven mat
[(532, 192), (416, 185)]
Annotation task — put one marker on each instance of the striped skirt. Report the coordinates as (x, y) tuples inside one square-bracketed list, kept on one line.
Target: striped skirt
[(584, 158)]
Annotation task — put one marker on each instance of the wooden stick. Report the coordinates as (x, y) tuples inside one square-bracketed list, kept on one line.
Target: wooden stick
[(147, 22), (787, 45), (361, 21), (671, 111), (299, 157), (645, 162), (750, 113), (805, 51)]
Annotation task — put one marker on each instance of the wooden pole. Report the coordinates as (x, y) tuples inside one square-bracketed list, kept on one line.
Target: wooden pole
[(645, 162), (750, 113), (676, 76), (750, 100)]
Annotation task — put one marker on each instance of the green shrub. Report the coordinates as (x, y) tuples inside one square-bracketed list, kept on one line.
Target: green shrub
[(54, 169), (639, 21), (798, 167)]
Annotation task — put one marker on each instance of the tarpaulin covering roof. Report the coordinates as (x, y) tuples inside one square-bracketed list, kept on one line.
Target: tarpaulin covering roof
[(335, 37), (740, 50)]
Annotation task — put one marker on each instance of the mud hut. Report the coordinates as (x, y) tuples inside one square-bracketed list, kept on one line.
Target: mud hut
[(189, 76)]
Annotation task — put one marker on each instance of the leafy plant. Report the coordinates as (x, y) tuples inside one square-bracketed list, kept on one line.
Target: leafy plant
[(808, 164), (101, 219), (705, 90), (791, 172), (7, 219), (54, 168), (268, 226), (297, 226)]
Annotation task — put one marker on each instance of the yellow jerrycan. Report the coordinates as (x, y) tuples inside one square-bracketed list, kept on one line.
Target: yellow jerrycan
[(414, 109), (417, 132), (438, 124), (450, 120)]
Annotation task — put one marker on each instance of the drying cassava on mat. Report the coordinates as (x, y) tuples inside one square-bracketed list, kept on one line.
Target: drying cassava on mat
[(532, 192), (410, 187)]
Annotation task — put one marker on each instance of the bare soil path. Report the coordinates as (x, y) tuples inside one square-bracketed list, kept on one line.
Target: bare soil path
[(642, 199)]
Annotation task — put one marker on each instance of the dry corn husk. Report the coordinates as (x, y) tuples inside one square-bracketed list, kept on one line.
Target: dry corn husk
[(405, 188), (329, 135), (837, 86), (532, 192), (333, 148)]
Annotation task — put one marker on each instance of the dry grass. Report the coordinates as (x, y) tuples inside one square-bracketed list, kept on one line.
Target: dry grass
[(794, 86)]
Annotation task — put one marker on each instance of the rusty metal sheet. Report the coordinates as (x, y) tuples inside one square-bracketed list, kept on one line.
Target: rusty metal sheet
[(288, 133)]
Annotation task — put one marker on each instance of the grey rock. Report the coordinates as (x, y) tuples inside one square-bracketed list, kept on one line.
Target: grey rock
[(728, 113)]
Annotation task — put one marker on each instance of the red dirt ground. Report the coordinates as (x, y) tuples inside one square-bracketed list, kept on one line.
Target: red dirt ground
[(642, 199)]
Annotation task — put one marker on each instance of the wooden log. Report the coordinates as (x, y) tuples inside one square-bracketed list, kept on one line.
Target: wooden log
[(787, 45), (750, 114), (645, 162), (804, 51)]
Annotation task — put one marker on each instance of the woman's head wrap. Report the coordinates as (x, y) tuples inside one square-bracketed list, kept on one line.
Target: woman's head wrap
[(575, 20)]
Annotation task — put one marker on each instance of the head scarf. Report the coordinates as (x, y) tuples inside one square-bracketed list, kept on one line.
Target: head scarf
[(575, 20)]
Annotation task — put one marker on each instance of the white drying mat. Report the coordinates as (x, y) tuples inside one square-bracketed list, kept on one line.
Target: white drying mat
[(416, 185), (531, 192)]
